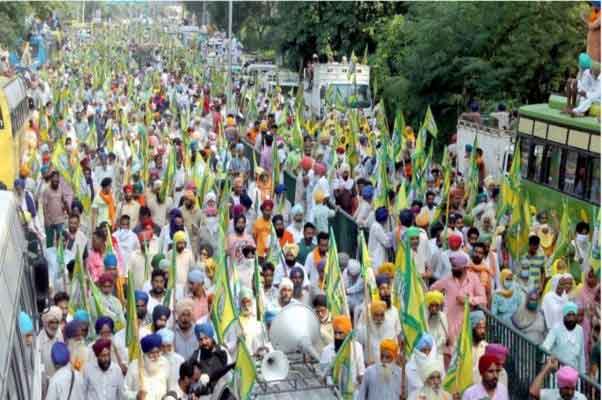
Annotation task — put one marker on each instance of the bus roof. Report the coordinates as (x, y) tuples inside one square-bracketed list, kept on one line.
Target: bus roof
[(544, 112)]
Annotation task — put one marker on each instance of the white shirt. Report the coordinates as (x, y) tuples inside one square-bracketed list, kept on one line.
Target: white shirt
[(357, 366), (128, 243), (58, 389), (101, 385)]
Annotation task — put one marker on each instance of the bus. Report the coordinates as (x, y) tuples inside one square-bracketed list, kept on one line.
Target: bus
[(14, 115), (560, 158), (20, 364)]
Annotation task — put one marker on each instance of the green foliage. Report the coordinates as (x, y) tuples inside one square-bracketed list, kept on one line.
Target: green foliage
[(13, 18)]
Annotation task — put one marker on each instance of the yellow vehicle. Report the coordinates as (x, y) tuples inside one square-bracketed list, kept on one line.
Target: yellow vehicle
[(14, 113)]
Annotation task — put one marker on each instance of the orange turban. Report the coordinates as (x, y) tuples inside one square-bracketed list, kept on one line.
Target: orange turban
[(378, 306), (341, 323), (389, 346)]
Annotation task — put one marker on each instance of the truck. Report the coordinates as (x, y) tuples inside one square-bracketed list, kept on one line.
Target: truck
[(495, 141), (335, 84)]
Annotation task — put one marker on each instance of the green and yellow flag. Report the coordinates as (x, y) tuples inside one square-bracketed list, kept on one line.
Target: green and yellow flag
[(78, 294), (342, 368), (429, 122), (564, 236), (413, 316), (258, 290), (223, 312), (334, 287), (132, 339), (245, 375), (459, 374)]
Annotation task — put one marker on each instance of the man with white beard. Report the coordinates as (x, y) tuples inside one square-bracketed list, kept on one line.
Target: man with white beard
[(155, 373), (76, 344), (252, 331), (432, 375), (383, 379), (174, 359), (372, 332)]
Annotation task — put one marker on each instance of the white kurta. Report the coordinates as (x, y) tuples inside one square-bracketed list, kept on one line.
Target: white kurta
[(155, 385)]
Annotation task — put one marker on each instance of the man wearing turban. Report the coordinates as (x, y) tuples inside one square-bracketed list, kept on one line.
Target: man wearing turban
[(183, 256), (479, 344), (102, 378), (49, 335), (489, 367), (566, 379), (155, 379), (185, 342), (251, 329), (141, 299), (174, 359), (111, 305), (379, 238), (61, 382), (341, 326), (373, 330), (210, 357), (382, 379), (436, 319), (565, 340), (432, 373), (283, 269)]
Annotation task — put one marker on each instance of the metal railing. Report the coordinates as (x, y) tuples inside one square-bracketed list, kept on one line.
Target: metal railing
[(526, 359)]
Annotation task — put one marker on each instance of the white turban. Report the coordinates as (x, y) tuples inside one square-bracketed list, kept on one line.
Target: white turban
[(286, 282), (429, 367)]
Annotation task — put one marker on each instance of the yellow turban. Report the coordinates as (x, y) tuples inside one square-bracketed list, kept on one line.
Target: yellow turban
[(504, 274), (423, 218), (389, 346), (433, 297), (179, 236), (342, 323), (24, 170), (387, 268), (378, 306), (290, 248), (319, 196)]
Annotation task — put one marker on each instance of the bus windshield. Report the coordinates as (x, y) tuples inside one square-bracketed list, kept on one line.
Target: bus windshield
[(354, 96)]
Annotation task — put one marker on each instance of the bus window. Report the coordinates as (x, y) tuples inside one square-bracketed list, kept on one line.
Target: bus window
[(594, 193), (575, 174), (551, 167), (525, 148), (535, 163)]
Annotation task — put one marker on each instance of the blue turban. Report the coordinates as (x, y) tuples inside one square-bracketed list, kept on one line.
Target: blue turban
[(81, 315), (72, 328), (149, 342), (406, 217), (382, 279), (59, 354), (110, 260), (476, 317), (19, 183), (280, 188), (381, 214), (585, 61), (196, 276), (140, 295), (368, 192), (25, 323), (102, 321), (568, 308), (296, 271), (297, 209), (204, 329), (426, 341), (161, 311), (468, 148), (269, 316), (167, 335)]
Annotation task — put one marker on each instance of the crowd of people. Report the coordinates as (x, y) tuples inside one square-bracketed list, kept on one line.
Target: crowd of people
[(137, 178)]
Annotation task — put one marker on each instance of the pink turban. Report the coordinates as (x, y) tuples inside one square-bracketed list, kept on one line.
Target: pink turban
[(567, 377)]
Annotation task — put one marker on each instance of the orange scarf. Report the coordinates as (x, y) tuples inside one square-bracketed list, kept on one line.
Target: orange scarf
[(316, 257), (108, 199)]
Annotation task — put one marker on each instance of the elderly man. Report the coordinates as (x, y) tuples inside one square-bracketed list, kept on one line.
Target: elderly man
[(185, 342), (250, 329), (431, 373), (378, 239), (105, 328), (391, 322), (457, 286), (320, 308), (565, 340), (479, 330), (489, 388), (196, 292), (296, 225), (111, 305), (436, 319), (183, 257), (284, 268), (161, 316), (49, 335), (529, 318), (566, 378), (285, 293), (354, 285), (383, 379), (153, 382), (173, 358), (341, 325), (66, 382), (209, 356), (372, 331), (103, 379)]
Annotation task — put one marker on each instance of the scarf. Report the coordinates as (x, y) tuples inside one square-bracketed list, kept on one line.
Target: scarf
[(110, 202), (316, 257)]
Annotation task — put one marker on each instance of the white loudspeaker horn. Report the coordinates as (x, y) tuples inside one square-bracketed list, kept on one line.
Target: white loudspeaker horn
[(274, 366), (296, 328)]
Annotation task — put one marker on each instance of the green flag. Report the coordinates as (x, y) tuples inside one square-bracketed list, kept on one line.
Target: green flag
[(459, 373), (342, 368), (429, 122), (334, 287), (413, 316), (223, 312), (245, 375), (132, 339)]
